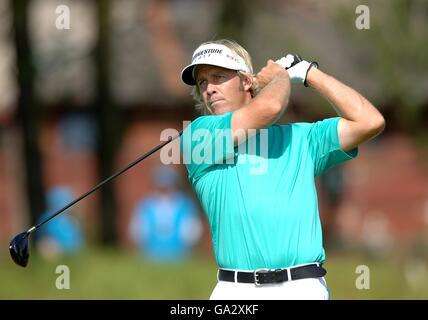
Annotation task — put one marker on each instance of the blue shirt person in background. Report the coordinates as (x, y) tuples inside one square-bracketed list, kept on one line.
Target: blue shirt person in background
[(62, 235), (166, 223)]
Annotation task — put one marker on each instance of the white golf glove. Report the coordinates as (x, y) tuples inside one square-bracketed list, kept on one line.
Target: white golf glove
[(297, 67)]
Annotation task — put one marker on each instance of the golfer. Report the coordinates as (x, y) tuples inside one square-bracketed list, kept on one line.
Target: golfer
[(265, 223)]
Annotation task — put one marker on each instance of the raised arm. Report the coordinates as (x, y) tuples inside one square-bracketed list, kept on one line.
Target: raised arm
[(269, 104), (360, 120)]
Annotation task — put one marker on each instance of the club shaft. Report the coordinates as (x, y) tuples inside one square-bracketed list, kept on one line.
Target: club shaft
[(99, 185)]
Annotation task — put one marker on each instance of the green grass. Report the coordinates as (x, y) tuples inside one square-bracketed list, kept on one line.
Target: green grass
[(107, 274), (386, 279), (112, 274)]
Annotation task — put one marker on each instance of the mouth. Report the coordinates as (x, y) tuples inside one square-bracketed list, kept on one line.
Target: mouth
[(216, 103), (212, 103)]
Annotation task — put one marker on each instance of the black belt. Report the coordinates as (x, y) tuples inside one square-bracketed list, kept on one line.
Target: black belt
[(264, 276)]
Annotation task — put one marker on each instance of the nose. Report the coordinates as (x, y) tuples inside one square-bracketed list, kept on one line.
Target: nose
[(211, 88)]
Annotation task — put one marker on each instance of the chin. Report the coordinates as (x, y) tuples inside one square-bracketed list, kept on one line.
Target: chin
[(221, 110)]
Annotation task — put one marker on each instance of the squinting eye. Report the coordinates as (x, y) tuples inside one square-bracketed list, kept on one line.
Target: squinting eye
[(201, 82)]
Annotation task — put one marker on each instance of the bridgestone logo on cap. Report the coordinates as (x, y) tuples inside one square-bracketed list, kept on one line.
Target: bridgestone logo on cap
[(215, 55), (206, 51)]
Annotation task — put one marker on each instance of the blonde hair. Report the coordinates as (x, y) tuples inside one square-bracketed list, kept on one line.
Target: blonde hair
[(239, 50)]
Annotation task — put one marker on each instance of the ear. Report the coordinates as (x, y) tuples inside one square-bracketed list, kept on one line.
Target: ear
[(247, 82)]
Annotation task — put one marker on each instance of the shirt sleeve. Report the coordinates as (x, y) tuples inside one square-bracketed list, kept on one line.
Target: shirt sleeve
[(207, 142), (325, 147)]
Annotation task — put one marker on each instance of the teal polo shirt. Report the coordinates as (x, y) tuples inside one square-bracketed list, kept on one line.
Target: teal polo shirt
[(259, 196)]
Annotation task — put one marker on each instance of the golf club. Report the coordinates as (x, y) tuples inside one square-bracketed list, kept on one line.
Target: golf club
[(19, 245)]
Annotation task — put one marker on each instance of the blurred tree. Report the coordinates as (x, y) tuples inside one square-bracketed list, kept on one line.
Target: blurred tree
[(164, 41), (233, 17), (29, 112), (330, 186), (109, 126), (394, 51)]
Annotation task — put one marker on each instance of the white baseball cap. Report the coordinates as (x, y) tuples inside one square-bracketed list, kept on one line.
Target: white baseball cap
[(216, 55)]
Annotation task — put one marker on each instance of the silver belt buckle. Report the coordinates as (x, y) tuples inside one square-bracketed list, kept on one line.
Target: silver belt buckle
[(256, 278)]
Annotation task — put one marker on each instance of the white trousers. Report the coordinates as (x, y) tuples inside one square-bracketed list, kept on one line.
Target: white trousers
[(303, 289)]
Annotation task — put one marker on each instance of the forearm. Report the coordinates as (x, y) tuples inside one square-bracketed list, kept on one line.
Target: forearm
[(274, 96), (347, 102), (360, 120), (263, 110)]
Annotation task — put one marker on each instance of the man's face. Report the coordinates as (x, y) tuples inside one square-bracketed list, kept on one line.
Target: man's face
[(222, 90)]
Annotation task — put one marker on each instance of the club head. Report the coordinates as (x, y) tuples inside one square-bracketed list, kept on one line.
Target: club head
[(19, 249)]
